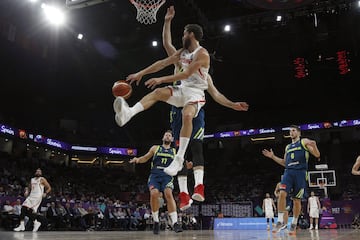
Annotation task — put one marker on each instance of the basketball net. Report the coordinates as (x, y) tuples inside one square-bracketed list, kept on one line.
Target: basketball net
[(147, 9)]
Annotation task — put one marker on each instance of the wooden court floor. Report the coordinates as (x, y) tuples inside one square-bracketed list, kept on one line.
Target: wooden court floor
[(345, 234)]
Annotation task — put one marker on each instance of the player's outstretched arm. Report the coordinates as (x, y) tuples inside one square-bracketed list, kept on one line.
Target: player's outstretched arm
[(146, 157), (355, 169), (155, 67), (222, 100), (270, 154), (166, 33)]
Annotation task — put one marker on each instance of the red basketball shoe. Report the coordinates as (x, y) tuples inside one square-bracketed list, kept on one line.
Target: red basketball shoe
[(185, 201), (199, 193)]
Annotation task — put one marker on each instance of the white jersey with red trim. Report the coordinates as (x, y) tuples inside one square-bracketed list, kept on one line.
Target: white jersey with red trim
[(37, 189), (199, 78)]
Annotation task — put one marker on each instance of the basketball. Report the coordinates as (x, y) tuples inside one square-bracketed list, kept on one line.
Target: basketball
[(122, 89)]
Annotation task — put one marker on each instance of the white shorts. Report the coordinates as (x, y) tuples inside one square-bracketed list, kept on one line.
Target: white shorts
[(181, 96), (314, 213), (33, 203), (269, 214)]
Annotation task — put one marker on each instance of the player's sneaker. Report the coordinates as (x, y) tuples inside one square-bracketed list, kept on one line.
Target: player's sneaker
[(292, 230), (177, 228), (316, 227), (279, 226), (185, 201), (156, 228), (175, 166), (37, 224), (20, 228), (122, 111), (311, 227), (199, 193)]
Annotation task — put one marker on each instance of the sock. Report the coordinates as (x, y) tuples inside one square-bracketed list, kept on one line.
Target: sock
[(155, 216), (182, 181), (184, 142), (173, 217), (138, 107), (198, 176), (280, 217), (294, 220)]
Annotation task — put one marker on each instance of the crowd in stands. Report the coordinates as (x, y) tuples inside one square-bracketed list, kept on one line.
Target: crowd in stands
[(93, 198)]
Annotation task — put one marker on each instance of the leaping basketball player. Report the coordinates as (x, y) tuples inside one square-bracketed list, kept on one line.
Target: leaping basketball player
[(355, 169), (39, 188), (196, 142), (295, 161), (195, 62)]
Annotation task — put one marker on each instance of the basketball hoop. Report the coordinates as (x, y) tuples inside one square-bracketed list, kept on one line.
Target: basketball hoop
[(147, 9)]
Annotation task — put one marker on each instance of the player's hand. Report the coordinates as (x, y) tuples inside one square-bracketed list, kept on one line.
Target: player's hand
[(135, 77), (134, 160), (153, 82), (170, 13), (44, 195), (240, 106), (268, 153), (188, 164)]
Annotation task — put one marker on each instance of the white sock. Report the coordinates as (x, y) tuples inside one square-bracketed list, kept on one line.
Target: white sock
[(199, 176), (138, 107), (183, 186), (280, 217), (155, 216), (294, 220), (184, 142), (173, 217)]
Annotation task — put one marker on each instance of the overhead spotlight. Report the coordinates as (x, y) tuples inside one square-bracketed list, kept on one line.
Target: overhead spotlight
[(80, 36), (33, 1), (54, 15), (358, 3), (278, 18), (154, 43), (227, 28)]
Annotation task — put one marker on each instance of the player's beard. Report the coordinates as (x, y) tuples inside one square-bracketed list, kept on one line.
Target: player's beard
[(37, 175), (167, 142), (186, 43)]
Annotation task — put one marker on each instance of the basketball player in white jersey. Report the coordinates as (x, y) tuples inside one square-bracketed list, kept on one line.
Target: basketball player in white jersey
[(268, 208), (313, 207), (39, 188), (196, 141), (355, 169), (195, 62)]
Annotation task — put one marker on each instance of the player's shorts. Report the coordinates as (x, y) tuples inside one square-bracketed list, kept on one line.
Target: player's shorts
[(294, 179), (269, 214), (181, 96), (198, 123), (314, 213), (160, 182), (32, 202)]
